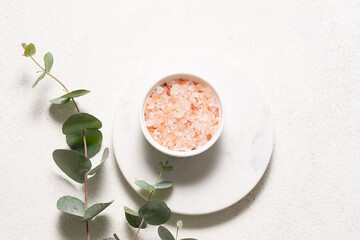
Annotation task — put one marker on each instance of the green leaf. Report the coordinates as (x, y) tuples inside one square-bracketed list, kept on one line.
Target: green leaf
[(38, 80), (95, 210), (155, 212), (103, 159), (179, 224), (30, 50), (168, 168), (60, 100), (76, 93), (93, 142), (77, 122), (164, 185), (66, 97), (71, 205), (144, 185), (49, 61), (133, 218), (24, 45), (165, 234), (72, 163)]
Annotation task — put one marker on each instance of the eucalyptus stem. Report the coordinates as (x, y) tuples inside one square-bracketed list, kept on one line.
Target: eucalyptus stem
[(84, 139), (177, 233), (151, 193), (142, 221), (85, 182)]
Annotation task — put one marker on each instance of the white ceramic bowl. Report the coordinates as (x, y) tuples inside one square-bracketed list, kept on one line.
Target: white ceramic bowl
[(165, 150)]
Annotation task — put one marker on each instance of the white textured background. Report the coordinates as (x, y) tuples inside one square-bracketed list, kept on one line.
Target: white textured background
[(304, 55)]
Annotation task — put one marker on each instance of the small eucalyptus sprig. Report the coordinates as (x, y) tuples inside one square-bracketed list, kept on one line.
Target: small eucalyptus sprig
[(165, 234), (153, 212), (84, 139)]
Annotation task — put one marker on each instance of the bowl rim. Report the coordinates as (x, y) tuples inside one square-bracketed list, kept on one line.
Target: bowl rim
[(163, 149)]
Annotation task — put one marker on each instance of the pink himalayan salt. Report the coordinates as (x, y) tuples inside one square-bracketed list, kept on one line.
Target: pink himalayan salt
[(182, 115)]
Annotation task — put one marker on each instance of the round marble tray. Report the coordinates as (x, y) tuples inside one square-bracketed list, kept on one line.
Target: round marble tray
[(222, 175)]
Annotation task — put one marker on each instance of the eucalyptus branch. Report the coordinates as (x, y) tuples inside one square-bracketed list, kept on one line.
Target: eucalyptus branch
[(48, 73), (75, 163)]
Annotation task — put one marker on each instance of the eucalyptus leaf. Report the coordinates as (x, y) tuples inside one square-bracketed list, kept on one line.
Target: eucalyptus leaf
[(71, 205), (38, 79), (72, 163), (76, 93), (75, 123), (93, 142), (144, 185), (179, 224), (165, 234), (155, 212), (66, 97), (103, 159), (133, 218), (30, 50), (49, 61), (60, 100), (168, 168), (95, 210), (164, 185)]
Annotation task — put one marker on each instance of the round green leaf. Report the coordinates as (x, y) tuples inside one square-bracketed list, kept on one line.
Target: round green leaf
[(164, 185), (93, 142), (179, 224), (30, 50), (144, 185), (155, 212), (72, 163), (38, 80), (95, 210), (49, 61), (133, 218), (75, 123), (103, 159), (165, 234), (71, 205)]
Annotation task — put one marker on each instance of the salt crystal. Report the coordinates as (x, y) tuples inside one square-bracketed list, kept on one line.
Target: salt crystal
[(159, 89)]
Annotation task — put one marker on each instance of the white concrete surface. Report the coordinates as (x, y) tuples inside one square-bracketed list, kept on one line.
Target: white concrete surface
[(304, 55)]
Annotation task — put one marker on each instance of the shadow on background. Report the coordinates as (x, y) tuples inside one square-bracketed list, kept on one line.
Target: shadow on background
[(201, 165), (71, 227), (221, 217)]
